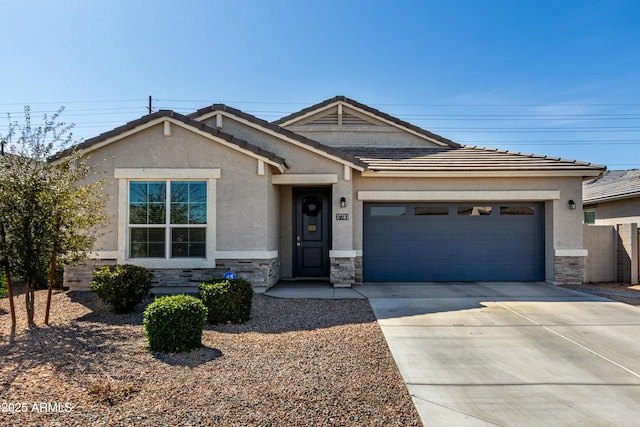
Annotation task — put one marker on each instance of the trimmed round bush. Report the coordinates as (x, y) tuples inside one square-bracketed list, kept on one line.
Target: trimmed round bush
[(174, 323), (121, 287), (227, 300)]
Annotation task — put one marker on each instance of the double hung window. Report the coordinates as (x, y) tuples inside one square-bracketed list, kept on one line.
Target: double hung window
[(167, 219)]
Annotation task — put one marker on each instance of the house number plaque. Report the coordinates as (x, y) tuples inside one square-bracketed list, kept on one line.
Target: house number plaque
[(342, 216)]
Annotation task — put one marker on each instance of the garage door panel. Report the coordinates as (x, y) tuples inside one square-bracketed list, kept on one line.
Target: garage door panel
[(428, 253), (430, 232), (385, 230), (474, 254), (519, 231), (432, 242), (515, 252), (390, 252)]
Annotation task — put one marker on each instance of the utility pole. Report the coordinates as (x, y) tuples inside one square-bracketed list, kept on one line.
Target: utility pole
[(150, 109)]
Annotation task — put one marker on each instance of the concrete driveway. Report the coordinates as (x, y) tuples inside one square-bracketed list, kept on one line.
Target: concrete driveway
[(512, 354)]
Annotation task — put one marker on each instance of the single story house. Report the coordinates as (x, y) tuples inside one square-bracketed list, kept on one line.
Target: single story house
[(611, 215), (338, 191)]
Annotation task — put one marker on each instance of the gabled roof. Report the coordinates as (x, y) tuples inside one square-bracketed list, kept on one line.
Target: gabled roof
[(211, 110), (291, 119), (613, 185), (467, 161), (187, 122), (445, 159)]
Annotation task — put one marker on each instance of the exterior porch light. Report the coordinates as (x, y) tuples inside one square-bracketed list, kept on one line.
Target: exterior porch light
[(572, 205), (343, 202)]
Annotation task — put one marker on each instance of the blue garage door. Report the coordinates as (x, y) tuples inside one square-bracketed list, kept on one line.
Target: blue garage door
[(414, 242)]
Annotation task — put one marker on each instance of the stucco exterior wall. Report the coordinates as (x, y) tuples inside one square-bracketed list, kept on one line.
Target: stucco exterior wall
[(627, 253), (299, 159), (624, 211), (286, 231), (601, 242), (613, 253), (241, 220)]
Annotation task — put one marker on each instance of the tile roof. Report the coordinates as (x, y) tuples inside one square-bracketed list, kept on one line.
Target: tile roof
[(613, 185), (370, 110), (452, 157), (465, 158), (275, 128), (182, 118)]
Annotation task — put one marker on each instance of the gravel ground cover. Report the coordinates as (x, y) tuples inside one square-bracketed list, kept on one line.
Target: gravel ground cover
[(295, 363)]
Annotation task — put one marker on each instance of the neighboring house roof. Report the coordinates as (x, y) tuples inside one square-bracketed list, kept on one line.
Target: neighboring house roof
[(466, 159), (613, 185), (211, 110), (145, 121), (291, 119)]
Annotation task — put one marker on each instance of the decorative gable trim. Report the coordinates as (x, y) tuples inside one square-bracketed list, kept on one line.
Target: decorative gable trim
[(364, 111), (221, 110), (339, 115)]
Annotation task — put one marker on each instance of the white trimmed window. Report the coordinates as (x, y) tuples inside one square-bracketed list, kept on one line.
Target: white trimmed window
[(167, 219), (167, 216)]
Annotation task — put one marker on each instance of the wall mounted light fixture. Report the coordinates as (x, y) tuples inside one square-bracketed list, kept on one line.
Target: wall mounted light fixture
[(343, 202), (572, 205)]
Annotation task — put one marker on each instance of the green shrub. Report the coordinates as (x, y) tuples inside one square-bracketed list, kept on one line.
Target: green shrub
[(174, 323), (228, 300), (122, 287), (3, 284)]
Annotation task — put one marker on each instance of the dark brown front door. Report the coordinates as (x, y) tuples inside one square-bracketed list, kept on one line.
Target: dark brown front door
[(312, 210)]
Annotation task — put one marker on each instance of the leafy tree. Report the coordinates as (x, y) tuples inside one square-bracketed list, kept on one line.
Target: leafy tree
[(50, 207)]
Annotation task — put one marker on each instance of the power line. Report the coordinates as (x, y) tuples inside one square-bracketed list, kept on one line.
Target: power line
[(71, 102)]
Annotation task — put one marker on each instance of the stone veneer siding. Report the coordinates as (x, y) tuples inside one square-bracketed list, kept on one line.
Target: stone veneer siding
[(343, 272), (262, 273), (346, 271), (569, 269), (78, 277)]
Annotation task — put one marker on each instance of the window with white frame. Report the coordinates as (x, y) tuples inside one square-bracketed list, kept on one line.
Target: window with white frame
[(167, 219)]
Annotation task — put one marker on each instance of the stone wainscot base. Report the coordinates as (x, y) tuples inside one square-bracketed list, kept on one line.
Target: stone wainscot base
[(263, 273)]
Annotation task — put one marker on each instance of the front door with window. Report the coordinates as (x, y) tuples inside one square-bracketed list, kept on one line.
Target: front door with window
[(312, 232)]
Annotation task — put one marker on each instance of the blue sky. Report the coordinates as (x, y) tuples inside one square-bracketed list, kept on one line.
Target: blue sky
[(560, 77)]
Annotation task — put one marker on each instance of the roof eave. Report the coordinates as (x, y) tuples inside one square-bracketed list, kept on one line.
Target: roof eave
[(279, 132), (200, 128), (604, 199), (471, 173)]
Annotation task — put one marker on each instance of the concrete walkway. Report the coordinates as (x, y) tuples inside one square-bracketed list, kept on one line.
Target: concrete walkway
[(509, 354), (312, 289)]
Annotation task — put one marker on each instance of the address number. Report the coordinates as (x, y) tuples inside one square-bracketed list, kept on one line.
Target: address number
[(342, 216)]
